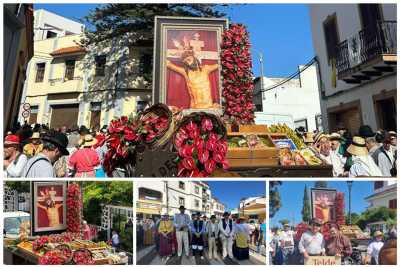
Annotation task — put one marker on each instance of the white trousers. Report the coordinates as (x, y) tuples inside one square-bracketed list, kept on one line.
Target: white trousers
[(227, 243), (212, 248), (182, 236)]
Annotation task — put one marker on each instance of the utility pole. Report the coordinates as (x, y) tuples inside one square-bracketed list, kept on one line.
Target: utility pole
[(261, 60), (349, 185)]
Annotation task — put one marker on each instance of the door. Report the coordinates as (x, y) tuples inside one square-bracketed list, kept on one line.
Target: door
[(386, 114), (64, 115), (95, 119), (349, 117)]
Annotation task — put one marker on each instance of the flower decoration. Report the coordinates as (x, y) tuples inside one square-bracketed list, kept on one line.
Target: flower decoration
[(201, 145), (52, 257), (74, 204), (40, 243), (237, 75)]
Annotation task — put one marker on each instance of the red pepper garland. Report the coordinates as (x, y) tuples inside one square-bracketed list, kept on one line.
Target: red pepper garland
[(125, 133), (201, 148), (237, 75), (74, 207)]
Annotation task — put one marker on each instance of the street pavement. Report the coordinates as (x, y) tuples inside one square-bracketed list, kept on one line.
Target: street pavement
[(149, 256)]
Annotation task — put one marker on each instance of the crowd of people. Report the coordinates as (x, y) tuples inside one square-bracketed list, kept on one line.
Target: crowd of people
[(181, 235), (41, 152), (286, 250), (366, 154)]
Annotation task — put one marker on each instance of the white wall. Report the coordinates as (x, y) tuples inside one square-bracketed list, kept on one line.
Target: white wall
[(59, 24), (292, 101), (348, 24)]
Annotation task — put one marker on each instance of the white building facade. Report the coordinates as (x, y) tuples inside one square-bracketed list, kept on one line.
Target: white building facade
[(356, 48), (160, 197), (50, 25), (295, 103), (385, 195)]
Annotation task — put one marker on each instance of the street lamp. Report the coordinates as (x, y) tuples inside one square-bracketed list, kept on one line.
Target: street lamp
[(349, 185), (261, 59)]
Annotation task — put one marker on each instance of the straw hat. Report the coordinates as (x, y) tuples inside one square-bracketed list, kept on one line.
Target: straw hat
[(319, 136), (309, 137), (378, 233), (35, 135), (358, 147), (88, 141), (335, 136)]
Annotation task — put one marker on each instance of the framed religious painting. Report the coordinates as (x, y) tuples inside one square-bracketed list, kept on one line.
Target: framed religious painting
[(48, 207), (186, 74), (323, 203)]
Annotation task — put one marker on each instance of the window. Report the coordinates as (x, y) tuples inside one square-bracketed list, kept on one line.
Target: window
[(331, 36), (301, 123), (196, 189), (100, 65), (181, 201), (318, 122), (370, 15), (51, 34), (148, 194), (197, 203), (69, 69), (393, 204), (182, 185), (40, 67), (378, 184), (33, 115), (145, 63)]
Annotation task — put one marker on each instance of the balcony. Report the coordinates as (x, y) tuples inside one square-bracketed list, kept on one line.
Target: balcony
[(369, 54)]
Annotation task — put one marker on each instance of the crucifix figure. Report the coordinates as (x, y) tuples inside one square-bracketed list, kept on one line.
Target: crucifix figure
[(195, 73)]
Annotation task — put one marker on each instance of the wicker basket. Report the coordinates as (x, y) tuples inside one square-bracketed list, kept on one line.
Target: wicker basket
[(165, 135)]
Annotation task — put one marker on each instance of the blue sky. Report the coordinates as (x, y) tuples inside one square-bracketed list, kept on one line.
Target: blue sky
[(292, 198), (280, 31), (230, 192)]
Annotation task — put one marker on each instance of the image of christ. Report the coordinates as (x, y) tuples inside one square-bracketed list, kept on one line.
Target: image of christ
[(50, 207), (324, 205), (192, 69)]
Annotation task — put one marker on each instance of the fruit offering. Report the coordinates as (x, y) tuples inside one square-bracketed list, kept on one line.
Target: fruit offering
[(40, 243), (283, 128), (310, 157), (52, 257)]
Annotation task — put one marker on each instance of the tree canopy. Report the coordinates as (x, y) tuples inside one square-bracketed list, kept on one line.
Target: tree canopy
[(114, 192), (115, 20), (274, 198), (306, 211)]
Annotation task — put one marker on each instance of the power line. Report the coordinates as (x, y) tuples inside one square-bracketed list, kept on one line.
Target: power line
[(290, 77)]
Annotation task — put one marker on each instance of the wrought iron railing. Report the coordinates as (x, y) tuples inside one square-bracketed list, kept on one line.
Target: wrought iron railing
[(366, 45)]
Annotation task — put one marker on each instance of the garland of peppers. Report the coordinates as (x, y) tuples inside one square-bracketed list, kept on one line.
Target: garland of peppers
[(74, 207), (237, 75), (201, 146)]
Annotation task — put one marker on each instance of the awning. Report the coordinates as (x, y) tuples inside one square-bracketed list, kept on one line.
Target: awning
[(67, 51)]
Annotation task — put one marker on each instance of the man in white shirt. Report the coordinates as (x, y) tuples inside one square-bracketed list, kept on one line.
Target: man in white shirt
[(286, 242), (212, 233), (14, 161), (182, 224), (374, 248), (226, 234), (312, 241)]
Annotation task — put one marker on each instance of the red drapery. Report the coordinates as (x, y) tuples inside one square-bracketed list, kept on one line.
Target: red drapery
[(177, 92)]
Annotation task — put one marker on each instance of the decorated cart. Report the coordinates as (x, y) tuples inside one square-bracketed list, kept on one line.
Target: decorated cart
[(55, 233), (203, 121)]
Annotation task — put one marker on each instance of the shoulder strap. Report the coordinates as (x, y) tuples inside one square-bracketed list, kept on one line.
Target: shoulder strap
[(387, 156), (15, 162), (39, 159)]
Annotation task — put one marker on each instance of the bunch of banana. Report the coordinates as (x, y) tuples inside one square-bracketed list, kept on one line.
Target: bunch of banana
[(283, 128)]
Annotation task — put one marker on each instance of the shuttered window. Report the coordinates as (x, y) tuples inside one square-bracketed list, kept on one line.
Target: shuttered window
[(40, 67), (331, 36), (69, 69), (64, 115)]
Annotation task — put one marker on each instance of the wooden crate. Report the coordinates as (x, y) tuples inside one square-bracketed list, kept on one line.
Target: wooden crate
[(249, 157), (253, 128)]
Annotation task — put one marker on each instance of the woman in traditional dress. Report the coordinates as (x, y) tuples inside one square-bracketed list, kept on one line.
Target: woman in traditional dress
[(242, 238), (148, 232), (166, 232)]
